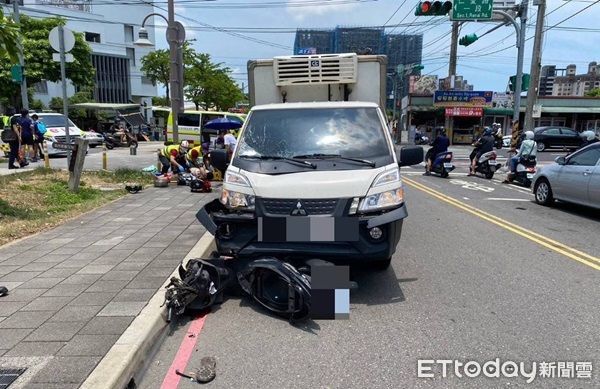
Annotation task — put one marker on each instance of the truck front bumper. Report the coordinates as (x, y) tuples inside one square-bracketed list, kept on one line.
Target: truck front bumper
[(236, 234)]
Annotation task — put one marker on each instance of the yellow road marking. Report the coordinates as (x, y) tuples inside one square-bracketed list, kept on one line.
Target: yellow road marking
[(558, 247)]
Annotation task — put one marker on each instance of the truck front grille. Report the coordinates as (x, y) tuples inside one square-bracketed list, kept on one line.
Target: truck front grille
[(311, 206)]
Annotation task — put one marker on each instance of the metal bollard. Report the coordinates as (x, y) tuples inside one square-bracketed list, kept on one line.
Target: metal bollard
[(104, 157), (132, 150), (46, 157)]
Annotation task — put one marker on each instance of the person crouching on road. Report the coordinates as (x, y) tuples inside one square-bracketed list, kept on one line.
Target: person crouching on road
[(198, 164), (173, 157)]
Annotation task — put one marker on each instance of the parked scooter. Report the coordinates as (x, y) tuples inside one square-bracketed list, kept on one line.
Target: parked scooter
[(442, 164), (114, 140), (525, 171), (487, 165)]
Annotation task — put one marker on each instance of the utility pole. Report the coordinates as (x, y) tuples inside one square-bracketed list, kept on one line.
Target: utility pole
[(175, 88), (17, 19), (449, 122), (520, 54), (536, 63)]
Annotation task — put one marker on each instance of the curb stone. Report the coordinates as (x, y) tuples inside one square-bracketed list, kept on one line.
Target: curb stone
[(132, 350)]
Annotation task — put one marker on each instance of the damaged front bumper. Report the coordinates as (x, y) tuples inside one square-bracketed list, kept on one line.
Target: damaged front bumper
[(240, 234)]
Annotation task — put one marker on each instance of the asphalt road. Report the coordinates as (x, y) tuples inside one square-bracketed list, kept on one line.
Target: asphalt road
[(463, 285)]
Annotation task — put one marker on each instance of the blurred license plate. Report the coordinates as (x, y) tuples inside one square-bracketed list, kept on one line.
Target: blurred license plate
[(447, 165)]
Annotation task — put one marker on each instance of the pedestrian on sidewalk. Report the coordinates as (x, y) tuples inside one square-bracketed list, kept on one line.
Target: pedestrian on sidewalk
[(27, 134), (15, 143), (38, 137)]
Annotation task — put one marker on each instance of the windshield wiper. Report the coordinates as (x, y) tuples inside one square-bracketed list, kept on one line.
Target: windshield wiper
[(278, 158), (338, 156)]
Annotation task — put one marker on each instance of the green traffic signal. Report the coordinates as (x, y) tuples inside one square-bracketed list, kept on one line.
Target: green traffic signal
[(512, 82), (433, 8), (468, 39)]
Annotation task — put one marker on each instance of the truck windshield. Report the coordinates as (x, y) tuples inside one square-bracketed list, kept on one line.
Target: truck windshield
[(347, 132)]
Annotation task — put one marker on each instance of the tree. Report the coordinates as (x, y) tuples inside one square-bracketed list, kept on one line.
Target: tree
[(210, 85), (9, 34), (75, 114), (593, 93), (160, 101), (38, 59), (157, 65)]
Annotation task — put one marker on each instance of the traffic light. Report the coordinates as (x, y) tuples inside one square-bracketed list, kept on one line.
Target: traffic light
[(467, 39), (433, 8), (512, 83)]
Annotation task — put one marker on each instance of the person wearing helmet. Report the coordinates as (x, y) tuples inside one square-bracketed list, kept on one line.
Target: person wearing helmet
[(482, 145), (589, 137), (528, 149), (439, 145), (173, 156)]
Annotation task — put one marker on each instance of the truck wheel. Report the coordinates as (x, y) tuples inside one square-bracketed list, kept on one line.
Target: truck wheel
[(381, 264)]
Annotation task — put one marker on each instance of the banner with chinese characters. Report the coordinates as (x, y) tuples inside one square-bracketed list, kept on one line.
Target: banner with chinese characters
[(464, 111), (454, 98)]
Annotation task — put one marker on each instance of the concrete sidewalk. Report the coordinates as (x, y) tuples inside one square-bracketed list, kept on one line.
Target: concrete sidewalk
[(76, 288)]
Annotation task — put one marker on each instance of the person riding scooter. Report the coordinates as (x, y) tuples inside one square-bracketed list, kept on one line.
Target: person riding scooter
[(497, 132), (439, 145), (589, 137), (482, 145), (528, 149)]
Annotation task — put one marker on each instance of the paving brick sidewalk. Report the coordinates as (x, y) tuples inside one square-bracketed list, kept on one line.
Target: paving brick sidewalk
[(76, 288)]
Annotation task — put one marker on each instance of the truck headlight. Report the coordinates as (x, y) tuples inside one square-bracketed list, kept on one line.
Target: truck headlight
[(236, 179), (237, 200), (388, 199)]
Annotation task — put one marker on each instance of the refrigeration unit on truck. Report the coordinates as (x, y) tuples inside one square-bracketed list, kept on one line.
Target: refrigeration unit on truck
[(315, 172)]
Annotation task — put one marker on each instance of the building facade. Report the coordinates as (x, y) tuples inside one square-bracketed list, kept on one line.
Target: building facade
[(573, 84), (110, 30), (400, 49)]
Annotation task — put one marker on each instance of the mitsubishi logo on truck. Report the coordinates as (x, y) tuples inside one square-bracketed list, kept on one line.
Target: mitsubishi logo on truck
[(299, 211)]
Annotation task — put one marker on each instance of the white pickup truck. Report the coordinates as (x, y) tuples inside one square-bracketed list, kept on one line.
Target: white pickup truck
[(315, 172)]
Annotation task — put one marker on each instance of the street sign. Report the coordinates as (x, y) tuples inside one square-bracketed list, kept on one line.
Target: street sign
[(68, 57), (54, 39), (537, 111), (471, 10), (176, 33), (16, 72), (464, 111), (64, 146), (454, 98)]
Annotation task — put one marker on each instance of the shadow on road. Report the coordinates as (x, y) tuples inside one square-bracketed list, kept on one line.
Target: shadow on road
[(377, 288), (578, 210)]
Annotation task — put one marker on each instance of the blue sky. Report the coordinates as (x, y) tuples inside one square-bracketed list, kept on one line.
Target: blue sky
[(477, 63)]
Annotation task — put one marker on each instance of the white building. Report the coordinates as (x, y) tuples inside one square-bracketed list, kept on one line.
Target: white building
[(110, 30)]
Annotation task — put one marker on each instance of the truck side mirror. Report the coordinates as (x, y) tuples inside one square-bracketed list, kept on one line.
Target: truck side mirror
[(218, 159), (410, 155)]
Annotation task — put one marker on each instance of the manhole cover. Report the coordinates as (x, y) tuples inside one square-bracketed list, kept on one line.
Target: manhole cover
[(8, 376)]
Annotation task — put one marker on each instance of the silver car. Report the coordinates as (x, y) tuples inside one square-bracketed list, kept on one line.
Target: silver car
[(574, 178)]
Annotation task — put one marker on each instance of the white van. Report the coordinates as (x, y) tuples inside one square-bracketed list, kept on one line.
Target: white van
[(191, 122), (313, 180)]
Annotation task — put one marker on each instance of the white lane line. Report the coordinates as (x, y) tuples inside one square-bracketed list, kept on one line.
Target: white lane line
[(466, 198), (505, 199)]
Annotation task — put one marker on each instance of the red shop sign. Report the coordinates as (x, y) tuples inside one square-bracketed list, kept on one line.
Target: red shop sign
[(464, 111)]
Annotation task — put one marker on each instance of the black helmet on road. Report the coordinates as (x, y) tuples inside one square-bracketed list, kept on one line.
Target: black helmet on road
[(277, 286)]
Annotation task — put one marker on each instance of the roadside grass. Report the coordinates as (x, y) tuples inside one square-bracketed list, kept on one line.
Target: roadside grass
[(40, 199)]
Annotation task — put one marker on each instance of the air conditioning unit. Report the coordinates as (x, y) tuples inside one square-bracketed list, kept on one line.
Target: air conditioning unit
[(315, 69)]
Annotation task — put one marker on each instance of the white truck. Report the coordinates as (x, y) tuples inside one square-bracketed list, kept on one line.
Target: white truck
[(325, 77), (315, 173)]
